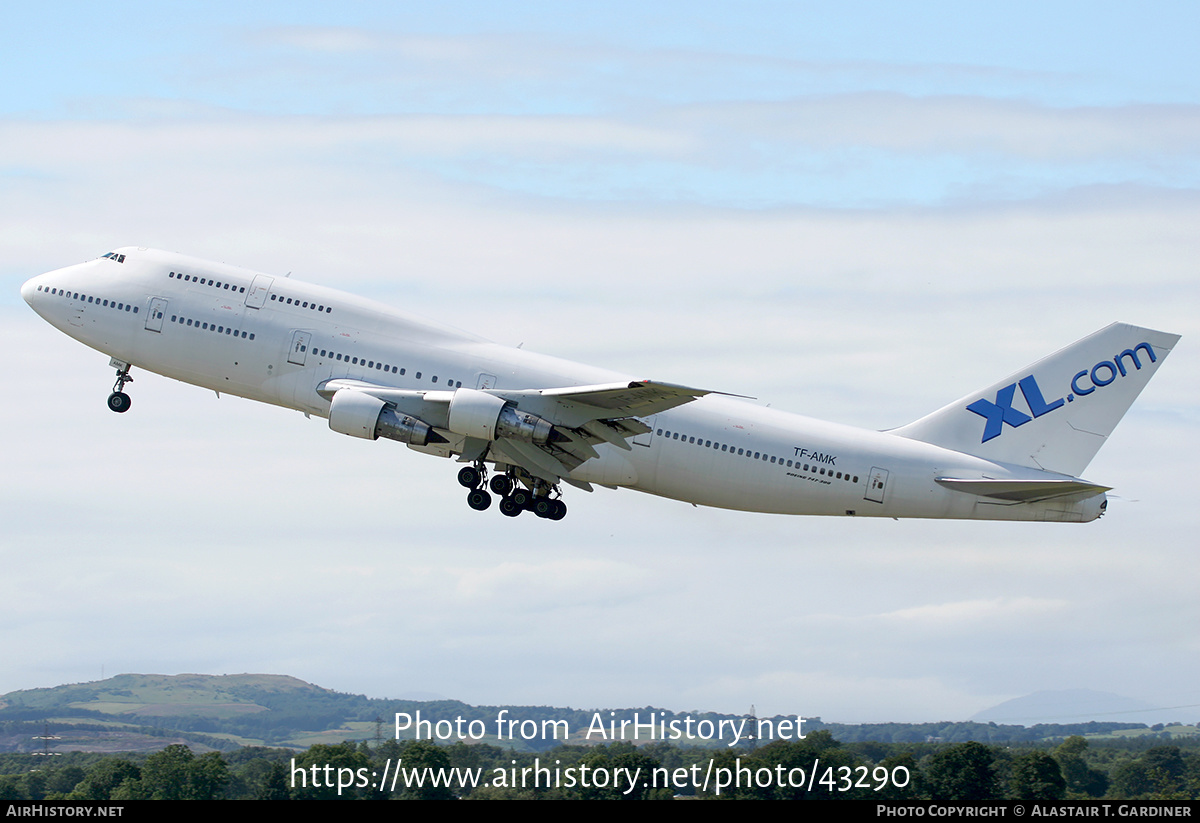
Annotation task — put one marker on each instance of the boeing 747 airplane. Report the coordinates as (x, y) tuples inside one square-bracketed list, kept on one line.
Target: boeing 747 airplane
[(1011, 451)]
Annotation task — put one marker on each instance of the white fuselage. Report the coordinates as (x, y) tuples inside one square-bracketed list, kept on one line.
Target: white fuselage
[(276, 340)]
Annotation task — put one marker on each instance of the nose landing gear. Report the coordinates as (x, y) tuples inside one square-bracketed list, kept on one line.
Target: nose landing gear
[(119, 401)]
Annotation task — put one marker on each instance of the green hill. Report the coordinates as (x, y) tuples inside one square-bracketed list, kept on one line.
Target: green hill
[(145, 712)]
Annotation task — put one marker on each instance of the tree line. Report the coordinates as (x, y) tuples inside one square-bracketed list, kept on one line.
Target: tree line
[(947, 772)]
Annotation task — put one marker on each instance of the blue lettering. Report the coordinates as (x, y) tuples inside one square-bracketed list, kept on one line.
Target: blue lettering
[(1033, 396), (1075, 387), (1132, 355), (998, 413), (1112, 373), (1101, 374)]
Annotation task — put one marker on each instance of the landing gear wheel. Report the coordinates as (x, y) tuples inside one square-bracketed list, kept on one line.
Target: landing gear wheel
[(521, 498), (501, 485), (560, 510), (509, 507), (543, 507), (469, 477), (479, 500), (119, 402)]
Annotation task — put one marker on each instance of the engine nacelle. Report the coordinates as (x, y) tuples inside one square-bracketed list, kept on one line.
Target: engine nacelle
[(484, 416), (359, 414)]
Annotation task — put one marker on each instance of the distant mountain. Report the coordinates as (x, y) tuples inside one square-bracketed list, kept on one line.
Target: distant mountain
[(145, 712), (1080, 706), (161, 695), (137, 711)]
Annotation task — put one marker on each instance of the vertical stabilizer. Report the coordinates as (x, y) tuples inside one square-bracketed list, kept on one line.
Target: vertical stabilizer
[(1056, 414)]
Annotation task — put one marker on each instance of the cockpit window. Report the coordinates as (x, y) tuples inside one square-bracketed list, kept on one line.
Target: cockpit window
[(112, 255)]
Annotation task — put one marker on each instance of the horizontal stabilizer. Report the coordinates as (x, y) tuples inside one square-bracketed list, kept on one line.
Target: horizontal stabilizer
[(1021, 491)]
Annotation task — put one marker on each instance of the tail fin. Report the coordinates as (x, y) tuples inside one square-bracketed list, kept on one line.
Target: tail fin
[(1056, 414)]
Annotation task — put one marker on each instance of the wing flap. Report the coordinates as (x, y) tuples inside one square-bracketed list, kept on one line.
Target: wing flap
[(535, 460)]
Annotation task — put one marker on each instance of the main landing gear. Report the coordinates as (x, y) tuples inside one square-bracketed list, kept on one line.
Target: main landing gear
[(119, 401), (543, 499)]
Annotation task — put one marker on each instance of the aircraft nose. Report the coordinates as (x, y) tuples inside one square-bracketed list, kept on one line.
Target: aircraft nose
[(29, 289)]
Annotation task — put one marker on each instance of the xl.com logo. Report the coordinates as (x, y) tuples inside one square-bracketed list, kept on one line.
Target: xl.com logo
[(996, 414)]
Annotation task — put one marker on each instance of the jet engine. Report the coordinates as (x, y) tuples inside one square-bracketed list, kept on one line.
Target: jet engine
[(358, 414), (478, 414)]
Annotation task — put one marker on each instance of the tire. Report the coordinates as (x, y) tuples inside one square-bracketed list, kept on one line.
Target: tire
[(119, 402), (543, 507), (479, 500), (468, 477), (560, 510), (522, 498), (509, 508), (501, 485)]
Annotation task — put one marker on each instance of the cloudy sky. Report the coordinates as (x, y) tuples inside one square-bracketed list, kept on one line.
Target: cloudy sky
[(856, 211)]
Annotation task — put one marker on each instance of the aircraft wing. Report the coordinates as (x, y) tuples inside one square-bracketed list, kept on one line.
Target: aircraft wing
[(574, 405), (585, 416), (582, 417)]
